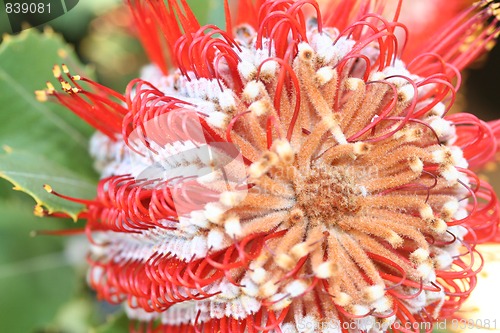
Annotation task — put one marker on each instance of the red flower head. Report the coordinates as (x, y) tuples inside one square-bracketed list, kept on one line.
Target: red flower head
[(292, 174)]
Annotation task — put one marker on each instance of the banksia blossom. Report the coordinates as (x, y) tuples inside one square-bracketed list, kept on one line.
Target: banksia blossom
[(291, 174)]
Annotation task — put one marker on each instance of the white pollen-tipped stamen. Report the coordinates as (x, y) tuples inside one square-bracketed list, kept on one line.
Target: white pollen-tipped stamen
[(406, 93), (361, 148), (324, 75), (305, 48), (416, 165), (300, 250), (450, 208), (247, 70), (342, 299), (443, 261), (426, 212), (360, 310), (296, 288), (259, 108), (439, 226), (215, 240), (395, 240), (268, 69), (449, 173), (424, 270), (325, 270), (232, 226), (217, 119), (226, 100), (252, 90), (259, 275), (438, 109), (378, 76), (373, 293), (284, 261), (382, 305), (354, 84), (214, 211), (284, 150), (419, 256), (268, 289), (232, 198)]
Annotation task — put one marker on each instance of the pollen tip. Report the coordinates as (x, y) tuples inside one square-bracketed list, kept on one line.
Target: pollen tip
[(48, 188), (305, 51), (41, 95), (382, 305), (342, 299), (424, 270), (259, 108), (419, 256), (395, 240), (66, 86), (218, 119), (416, 165), (449, 173), (324, 75), (232, 226), (354, 83), (284, 150), (39, 211), (258, 275), (296, 288), (213, 212), (268, 70), (268, 289), (406, 93), (231, 198), (50, 88), (361, 148), (300, 250), (76, 77), (449, 209), (252, 91), (326, 270), (439, 226), (426, 212), (360, 310), (56, 70), (284, 261), (373, 293), (65, 69)]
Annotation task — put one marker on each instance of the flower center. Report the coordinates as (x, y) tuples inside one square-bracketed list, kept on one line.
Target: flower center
[(326, 192)]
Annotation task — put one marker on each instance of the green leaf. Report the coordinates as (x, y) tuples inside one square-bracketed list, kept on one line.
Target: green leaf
[(209, 12), (29, 173), (26, 61), (116, 324), (35, 277)]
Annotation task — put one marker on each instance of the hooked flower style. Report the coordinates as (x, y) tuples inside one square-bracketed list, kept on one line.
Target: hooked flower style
[(291, 174)]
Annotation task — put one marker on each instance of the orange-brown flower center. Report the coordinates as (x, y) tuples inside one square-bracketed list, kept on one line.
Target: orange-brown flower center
[(326, 193)]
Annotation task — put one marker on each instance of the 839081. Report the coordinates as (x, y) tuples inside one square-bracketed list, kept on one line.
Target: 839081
[(27, 8)]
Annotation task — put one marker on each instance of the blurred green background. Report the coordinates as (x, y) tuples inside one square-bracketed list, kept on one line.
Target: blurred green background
[(42, 278)]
